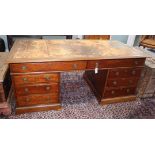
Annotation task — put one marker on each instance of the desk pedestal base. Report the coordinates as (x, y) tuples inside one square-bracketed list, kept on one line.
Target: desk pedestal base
[(21, 110)]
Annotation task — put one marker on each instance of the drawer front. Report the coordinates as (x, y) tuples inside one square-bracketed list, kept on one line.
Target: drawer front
[(37, 89), (109, 93), (48, 66), (37, 99), (35, 78), (122, 82), (112, 63), (124, 73)]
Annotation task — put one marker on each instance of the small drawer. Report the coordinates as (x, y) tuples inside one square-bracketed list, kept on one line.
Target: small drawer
[(35, 78), (113, 63), (37, 99), (48, 66), (121, 73), (37, 89), (109, 93), (122, 82)]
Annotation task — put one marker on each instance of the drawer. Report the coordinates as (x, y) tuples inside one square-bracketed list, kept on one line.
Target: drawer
[(48, 66), (110, 93), (36, 99), (113, 63), (128, 72), (37, 89), (35, 78), (122, 82)]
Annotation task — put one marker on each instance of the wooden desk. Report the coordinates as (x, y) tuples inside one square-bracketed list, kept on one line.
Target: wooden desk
[(5, 85), (36, 66)]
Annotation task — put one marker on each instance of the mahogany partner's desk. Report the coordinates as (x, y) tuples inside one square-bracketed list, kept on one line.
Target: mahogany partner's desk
[(112, 70)]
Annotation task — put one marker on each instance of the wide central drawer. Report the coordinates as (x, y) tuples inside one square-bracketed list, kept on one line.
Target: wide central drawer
[(113, 63), (48, 66), (35, 78), (37, 89), (37, 99)]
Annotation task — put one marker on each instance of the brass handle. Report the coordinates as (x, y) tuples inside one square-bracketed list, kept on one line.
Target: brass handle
[(114, 82), (133, 72), (26, 90), (48, 88), (74, 66), (27, 99), (24, 79), (24, 67), (47, 77), (128, 90), (136, 62), (130, 81), (112, 92), (117, 73)]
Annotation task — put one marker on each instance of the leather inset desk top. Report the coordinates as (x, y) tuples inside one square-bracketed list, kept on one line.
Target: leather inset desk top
[(69, 50)]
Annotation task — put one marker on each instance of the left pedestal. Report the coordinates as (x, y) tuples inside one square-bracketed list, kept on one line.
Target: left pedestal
[(36, 89)]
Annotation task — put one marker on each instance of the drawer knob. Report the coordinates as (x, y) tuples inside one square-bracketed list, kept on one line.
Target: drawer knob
[(26, 90), (24, 67), (136, 62), (48, 88), (133, 72), (47, 77), (130, 82), (114, 82), (74, 66), (117, 73), (27, 99), (128, 90), (24, 79), (112, 92)]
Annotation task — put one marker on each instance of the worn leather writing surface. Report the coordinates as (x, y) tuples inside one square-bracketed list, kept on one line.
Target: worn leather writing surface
[(68, 50)]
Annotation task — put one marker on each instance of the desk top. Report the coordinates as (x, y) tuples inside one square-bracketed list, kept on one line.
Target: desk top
[(69, 50), (3, 65)]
